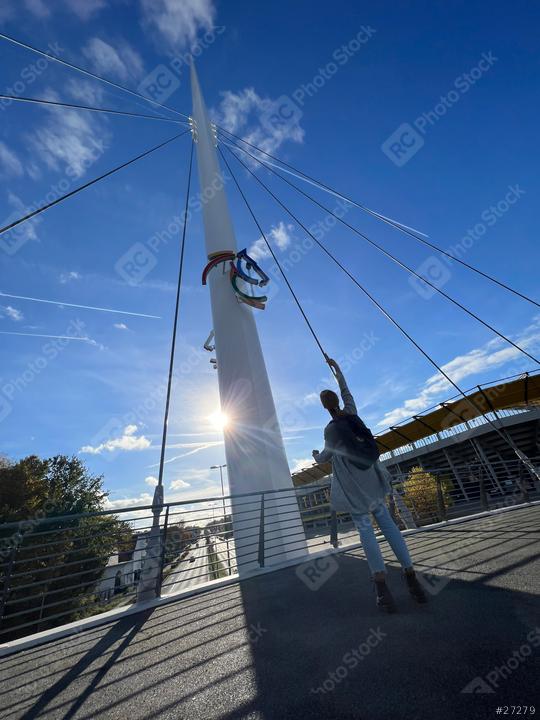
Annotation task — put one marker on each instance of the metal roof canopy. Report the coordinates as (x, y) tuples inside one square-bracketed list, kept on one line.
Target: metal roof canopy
[(514, 392)]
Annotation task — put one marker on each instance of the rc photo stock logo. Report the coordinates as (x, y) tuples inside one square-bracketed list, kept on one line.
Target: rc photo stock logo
[(435, 271), (403, 144), (11, 241), (284, 113), (315, 573), (280, 115), (491, 681), (135, 264), (5, 407), (164, 80), (160, 84)]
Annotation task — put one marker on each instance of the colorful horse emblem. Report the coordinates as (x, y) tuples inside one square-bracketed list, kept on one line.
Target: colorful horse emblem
[(241, 271)]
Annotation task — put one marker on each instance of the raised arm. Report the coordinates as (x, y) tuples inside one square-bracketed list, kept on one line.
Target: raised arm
[(349, 405)]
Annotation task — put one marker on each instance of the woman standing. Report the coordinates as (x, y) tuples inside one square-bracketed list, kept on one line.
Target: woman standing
[(360, 485)]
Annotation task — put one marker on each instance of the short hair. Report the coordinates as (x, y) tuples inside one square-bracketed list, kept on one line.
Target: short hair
[(329, 400)]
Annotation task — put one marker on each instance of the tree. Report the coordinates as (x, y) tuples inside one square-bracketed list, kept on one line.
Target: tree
[(421, 496), (55, 486), (51, 565)]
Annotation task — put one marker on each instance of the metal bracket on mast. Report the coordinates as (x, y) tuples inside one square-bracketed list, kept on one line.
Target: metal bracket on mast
[(210, 348), (193, 129), (207, 345), (213, 128)]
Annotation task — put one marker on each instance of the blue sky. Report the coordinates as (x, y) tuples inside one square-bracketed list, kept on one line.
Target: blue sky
[(425, 112)]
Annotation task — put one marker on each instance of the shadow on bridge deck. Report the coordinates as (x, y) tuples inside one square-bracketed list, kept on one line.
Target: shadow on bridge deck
[(277, 647)]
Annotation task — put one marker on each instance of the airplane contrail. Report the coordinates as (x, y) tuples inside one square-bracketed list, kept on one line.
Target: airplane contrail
[(54, 337), (83, 307)]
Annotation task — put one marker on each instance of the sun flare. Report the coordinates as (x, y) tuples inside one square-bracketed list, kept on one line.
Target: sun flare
[(219, 420)]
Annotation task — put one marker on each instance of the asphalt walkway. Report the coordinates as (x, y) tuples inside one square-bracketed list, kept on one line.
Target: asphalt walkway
[(309, 643)]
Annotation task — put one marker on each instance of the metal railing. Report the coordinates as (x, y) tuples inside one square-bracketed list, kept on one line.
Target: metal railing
[(454, 430), (55, 570)]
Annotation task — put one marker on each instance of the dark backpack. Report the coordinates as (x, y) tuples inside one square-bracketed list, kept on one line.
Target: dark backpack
[(357, 442)]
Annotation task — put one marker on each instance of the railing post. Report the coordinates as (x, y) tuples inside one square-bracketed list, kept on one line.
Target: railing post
[(441, 507), (261, 533), (392, 509), (482, 488), (159, 582), (7, 580), (333, 529), (146, 589), (404, 512), (521, 485)]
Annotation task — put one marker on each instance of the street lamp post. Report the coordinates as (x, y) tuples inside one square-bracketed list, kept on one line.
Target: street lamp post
[(220, 468)]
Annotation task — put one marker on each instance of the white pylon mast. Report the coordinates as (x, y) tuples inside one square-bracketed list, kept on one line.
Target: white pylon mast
[(254, 448)]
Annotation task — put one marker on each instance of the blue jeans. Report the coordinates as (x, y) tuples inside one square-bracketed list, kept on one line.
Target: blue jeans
[(390, 531)]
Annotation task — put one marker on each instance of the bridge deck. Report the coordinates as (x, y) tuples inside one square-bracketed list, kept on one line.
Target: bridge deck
[(273, 647)]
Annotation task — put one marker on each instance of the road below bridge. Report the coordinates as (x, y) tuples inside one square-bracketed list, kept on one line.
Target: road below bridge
[(188, 573)]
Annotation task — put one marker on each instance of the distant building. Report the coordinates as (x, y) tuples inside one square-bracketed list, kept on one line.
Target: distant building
[(123, 570), (474, 446)]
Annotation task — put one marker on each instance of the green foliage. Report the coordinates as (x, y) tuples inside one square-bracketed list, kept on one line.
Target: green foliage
[(61, 559), (56, 486), (420, 494)]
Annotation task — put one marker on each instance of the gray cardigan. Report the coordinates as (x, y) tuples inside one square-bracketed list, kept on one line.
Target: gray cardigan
[(353, 490)]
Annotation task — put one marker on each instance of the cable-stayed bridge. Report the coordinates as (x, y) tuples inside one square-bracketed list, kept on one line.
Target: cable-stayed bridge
[(211, 607)]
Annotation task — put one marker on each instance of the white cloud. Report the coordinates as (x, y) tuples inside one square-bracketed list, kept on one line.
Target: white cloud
[(7, 12), (250, 115), (37, 8), (179, 484), (301, 463), (42, 9), (69, 276), (84, 91), (71, 140), (9, 162), (27, 230), (85, 9), (11, 313), (151, 480), (494, 354), (279, 235), (128, 441), (121, 62), (120, 326), (143, 499), (176, 23), (33, 170)]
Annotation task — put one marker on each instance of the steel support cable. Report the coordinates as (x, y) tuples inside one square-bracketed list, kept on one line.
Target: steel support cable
[(87, 184), (175, 325), (396, 260), (74, 106), (389, 317), (388, 221), (87, 72), (263, 235)]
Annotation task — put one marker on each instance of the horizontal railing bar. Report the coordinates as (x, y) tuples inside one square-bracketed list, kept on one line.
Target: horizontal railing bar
[(300, 532), (75, 527), (65, 551), (94, 583), (53, 617), (48, 568), (94, 591), (179, 503)]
